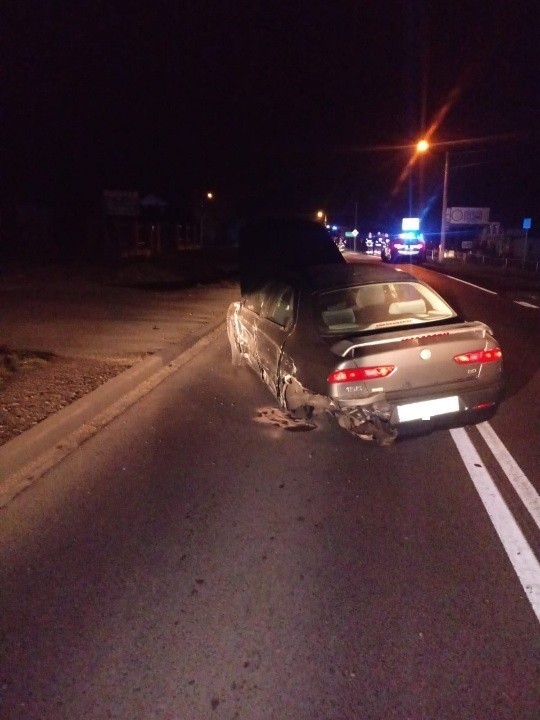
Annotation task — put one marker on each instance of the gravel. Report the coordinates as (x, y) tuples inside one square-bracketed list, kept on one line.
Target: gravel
[(33, 387)]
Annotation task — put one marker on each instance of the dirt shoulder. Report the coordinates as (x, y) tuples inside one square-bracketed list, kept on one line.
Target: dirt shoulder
[(66, 331)]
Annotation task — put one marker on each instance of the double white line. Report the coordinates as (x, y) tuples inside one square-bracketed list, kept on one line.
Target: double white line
[(525, 562)]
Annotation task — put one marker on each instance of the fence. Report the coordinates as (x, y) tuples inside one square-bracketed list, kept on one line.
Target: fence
[(474, 258)]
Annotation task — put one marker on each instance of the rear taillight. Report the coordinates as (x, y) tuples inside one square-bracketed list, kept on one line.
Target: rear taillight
[(417, 245), (479, 356), (357, 374), (484, 406)]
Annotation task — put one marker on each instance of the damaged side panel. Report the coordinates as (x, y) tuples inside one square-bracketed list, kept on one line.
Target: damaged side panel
[(242, 338)]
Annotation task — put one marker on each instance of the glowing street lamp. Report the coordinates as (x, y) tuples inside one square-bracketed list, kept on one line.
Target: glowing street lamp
[(422, 146), (321, 215)]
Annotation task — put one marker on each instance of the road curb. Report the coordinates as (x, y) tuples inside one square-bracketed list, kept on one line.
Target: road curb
[(23, 450)]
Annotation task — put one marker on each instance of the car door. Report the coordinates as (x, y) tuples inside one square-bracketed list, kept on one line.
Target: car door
[(276, 320), (246, 327)]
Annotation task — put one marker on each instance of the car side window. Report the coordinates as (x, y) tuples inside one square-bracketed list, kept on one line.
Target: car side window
[(253, 301), (279, 304)]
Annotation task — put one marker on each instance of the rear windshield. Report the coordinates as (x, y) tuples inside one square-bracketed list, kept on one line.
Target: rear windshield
[(379, 306)]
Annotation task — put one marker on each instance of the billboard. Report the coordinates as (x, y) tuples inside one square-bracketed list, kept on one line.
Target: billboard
[(121, 203), (467, 216)]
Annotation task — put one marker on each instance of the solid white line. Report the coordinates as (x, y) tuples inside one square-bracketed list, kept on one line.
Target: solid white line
[(522, 485), (514, 542), (526, 304), (491, 292)]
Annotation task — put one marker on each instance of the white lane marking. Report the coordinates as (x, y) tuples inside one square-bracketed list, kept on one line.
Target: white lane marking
[(526, 304), (491, 292), (522, 485), (514, 542)]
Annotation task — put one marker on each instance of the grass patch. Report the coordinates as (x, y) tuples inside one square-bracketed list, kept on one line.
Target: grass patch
[(12, 361)]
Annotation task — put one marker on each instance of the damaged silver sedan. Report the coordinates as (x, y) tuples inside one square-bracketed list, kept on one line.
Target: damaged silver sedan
[(371, 345)]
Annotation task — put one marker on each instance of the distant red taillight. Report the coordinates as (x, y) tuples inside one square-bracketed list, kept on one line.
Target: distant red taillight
[(483, 406), (358, 374), (479, 356)]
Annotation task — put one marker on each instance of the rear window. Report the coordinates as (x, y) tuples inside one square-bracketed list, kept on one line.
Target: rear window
[(379, 306)]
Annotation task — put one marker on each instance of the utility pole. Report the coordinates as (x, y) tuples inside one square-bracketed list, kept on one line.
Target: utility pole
[(527, 223), (355, 224), (442, 244)]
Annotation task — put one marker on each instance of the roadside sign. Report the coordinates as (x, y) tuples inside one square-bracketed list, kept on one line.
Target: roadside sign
[(467, 216), (527, 223), (410, 223)]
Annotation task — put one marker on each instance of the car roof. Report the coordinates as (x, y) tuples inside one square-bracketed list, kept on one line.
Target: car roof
[(327, 277)]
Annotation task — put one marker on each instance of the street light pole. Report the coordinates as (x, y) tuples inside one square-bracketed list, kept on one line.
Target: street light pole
[(355, 228), (209, 196), (442, 244), (422, 146)]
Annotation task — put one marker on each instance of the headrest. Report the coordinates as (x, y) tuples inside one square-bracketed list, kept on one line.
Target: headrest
[(407, 307), (370, 295)]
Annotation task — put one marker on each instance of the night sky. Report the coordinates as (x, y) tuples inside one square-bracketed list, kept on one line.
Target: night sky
[(276, 104)]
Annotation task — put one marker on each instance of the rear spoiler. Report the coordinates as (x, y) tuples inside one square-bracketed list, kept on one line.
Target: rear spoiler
[(345, 347)]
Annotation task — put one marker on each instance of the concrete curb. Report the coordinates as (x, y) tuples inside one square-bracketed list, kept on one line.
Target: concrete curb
[(19, 452)]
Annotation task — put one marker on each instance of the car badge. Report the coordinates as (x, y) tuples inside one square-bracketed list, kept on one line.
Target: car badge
[(425, 354)]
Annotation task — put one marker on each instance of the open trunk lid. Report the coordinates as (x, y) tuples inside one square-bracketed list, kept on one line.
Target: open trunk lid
[(273, 246)]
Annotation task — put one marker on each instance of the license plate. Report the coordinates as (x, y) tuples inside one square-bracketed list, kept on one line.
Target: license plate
[(427, 409)]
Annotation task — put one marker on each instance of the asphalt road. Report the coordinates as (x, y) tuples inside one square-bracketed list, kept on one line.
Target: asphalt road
[(196, 561), (517, 327)]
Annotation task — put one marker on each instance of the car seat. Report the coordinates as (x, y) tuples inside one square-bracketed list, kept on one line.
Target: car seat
[(371, 304)]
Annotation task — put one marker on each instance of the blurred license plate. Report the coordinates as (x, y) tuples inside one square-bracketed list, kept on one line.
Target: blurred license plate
[(427, 409)]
